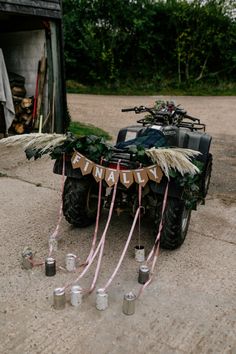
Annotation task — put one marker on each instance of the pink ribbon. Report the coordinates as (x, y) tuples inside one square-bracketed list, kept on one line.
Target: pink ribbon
[(156, 248), (54, 235)]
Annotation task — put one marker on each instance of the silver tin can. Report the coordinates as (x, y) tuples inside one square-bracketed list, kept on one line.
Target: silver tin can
[(143, 275), (129, 304), (139, 253), (76, 295), (71, 262), (101, 300), (59, 298)]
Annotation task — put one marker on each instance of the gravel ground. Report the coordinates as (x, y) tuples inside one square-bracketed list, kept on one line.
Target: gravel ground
[(189, 308)]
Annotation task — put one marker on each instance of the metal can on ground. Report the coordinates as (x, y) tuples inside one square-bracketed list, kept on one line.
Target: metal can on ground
[(101, 300), (59, 298), (71, 262), (129, 303), (139, 253), (76, 295), (50, 267), (143, 275)]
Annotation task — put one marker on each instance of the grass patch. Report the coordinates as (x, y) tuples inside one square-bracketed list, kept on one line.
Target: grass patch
[(152, 88), (3, 174), (81, 129)]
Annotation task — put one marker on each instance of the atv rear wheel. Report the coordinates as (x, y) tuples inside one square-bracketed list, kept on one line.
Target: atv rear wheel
[(80, 201), (175, 223)]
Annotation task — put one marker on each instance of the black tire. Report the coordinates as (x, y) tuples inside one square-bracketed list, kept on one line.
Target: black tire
[(80, 201), (175, 223)]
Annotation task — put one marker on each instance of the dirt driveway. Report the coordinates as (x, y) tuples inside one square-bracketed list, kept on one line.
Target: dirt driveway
[(191, 305)]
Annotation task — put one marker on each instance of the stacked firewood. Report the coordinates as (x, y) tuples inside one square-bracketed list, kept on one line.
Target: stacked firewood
[(22, 122)]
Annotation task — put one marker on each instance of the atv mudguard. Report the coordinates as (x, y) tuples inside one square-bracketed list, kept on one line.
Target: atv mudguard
[(69, 170), (174, 190)]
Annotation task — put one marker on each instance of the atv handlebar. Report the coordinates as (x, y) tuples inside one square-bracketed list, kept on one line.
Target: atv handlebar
[(172, 114), (137, 110), (128, 109), (140, 109)]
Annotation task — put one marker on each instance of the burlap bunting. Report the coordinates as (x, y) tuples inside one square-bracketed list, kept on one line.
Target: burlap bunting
[(112, 176)]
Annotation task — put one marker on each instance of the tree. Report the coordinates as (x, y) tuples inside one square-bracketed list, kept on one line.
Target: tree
[(108, 42)]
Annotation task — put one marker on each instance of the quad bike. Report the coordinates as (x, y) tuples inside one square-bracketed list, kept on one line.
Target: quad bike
[(165, 125)]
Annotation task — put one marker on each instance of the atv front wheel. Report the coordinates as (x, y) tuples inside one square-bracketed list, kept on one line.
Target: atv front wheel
[(80, 198), (175, 223)]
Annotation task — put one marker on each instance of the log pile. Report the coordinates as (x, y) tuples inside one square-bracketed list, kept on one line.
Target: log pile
[(23, 120)]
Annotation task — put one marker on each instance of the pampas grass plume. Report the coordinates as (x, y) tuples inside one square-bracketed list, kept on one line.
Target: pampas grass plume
[(177, 159), (35, 141)]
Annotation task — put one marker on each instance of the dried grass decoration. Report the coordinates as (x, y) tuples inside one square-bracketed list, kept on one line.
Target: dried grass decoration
[(36, 141), (177, 159)]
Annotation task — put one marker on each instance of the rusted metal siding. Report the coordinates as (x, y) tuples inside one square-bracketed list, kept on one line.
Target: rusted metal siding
[(48, 9)]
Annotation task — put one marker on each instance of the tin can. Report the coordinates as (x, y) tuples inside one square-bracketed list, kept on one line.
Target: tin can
[(59, 298), (139, 253), (71, 262), (76, 295), (129, 303), (143, 275), (101, 300), (50, 267), (27, 256)]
